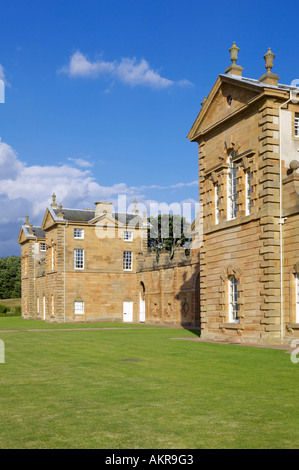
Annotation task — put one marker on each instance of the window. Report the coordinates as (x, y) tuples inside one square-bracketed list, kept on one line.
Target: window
[(52, 257), (127, 261), (217, 203), (297, 125), (232, 181), (248, 189), (79, 308), (297, 297), (42, 247), (79, 259), (128, 236), (233, 295), (79, 233)]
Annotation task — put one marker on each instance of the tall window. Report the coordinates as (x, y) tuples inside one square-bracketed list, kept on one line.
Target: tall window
[(79, 308), (79, 259), (248, 189), (217, 203), (233, 295), (128, 261), (232, 181), (42, 247), (297, 297), (297, 125)]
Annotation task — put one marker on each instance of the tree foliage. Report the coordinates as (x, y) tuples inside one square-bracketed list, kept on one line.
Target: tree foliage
[(10, 277), (167, 232)]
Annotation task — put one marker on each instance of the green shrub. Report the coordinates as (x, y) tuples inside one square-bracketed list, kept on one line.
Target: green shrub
[(18, 310), (4, 309)]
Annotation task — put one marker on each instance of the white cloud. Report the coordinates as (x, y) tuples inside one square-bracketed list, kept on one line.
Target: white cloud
[(81, 162), (26, 189), (127, 71)]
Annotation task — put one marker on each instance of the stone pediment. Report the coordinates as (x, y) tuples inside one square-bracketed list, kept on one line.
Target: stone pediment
[(228, 96), (48, 220)]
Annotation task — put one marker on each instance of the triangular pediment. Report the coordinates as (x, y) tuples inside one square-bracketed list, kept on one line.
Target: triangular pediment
[(22, 236), (227, 96), (105, 221), (48, 220)]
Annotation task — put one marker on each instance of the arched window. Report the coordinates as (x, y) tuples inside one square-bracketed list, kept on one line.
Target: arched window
[(232, 181), (233, 296)]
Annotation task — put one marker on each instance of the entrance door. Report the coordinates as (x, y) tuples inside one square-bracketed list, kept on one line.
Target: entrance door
[(141, 309), (128, 312)]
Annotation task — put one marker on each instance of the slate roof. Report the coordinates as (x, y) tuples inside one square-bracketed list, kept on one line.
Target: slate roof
[(86, 215)]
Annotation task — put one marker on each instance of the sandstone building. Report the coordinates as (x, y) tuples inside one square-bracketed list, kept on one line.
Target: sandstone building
[(241, 282)]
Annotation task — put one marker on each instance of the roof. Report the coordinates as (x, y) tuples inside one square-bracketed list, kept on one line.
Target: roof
[(37, 232), (252, 81), (87, 215)]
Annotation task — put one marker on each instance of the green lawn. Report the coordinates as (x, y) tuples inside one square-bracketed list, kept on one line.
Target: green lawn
[(72, 390)]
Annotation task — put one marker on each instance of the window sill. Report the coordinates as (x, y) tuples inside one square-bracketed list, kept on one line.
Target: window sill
[(293, 326), (231, 326), (245, 219)]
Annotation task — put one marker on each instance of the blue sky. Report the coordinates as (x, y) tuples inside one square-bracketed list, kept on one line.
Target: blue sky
[(100, 95)]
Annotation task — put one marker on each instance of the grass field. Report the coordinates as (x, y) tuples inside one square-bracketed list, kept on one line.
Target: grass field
[(75, 389)]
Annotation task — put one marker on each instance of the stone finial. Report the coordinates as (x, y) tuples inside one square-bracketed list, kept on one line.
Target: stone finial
[(269, 78), (234, 53), (234, 69), (269, 57), (135, 210), (27, 221), (54, 205), (60, 213)]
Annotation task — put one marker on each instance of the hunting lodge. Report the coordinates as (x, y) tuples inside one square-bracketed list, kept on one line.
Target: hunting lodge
[(241, 282)]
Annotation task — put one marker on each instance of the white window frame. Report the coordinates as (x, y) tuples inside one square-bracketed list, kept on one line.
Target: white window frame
[(79, 259), (52, 257), (37, 304), (217, 202), (296, 127), (42, 246), (128, 261), (297, 296), (79, 307), (232, 181), (128, 236), (233, 296), (79, 233), (248, 191)]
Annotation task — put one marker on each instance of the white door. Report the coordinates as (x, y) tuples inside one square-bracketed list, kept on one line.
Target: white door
[(141, 309), (128, 311)]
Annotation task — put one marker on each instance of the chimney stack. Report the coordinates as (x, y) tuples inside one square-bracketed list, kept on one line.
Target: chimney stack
[(103, 207)]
